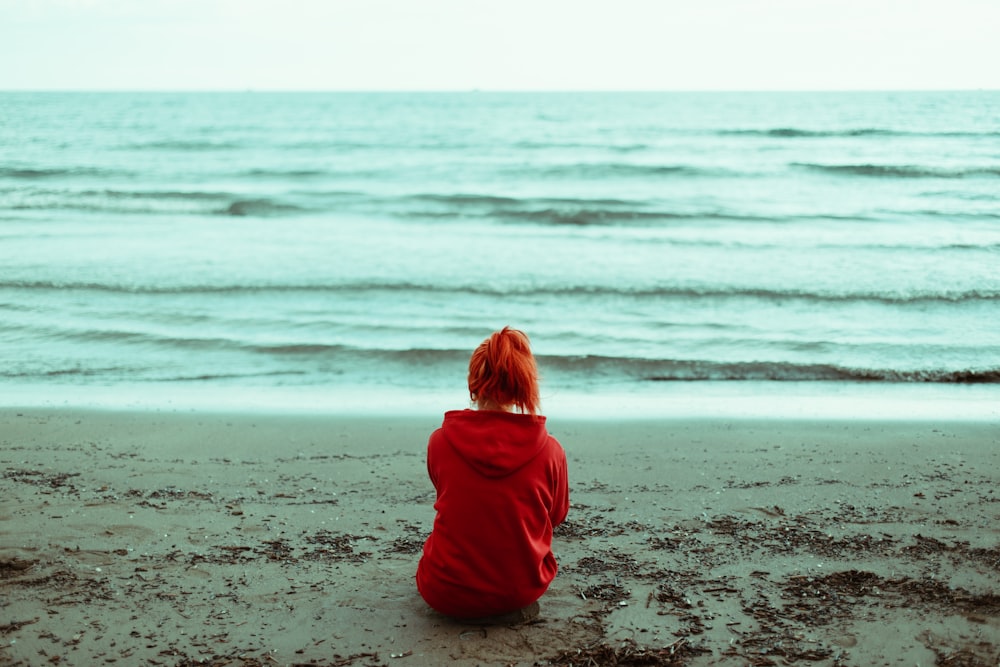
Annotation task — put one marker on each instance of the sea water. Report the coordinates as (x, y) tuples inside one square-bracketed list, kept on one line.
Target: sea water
[(351, 249)]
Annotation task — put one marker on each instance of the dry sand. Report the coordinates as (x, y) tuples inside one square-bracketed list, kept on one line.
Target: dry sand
[(236, 539)]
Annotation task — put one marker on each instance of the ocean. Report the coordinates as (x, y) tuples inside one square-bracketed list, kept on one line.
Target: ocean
[(347, 251)]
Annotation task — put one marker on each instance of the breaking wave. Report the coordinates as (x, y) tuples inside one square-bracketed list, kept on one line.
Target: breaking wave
[(898, 171)]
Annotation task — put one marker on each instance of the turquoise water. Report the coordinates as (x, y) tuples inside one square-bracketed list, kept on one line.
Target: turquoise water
[(316, 245)]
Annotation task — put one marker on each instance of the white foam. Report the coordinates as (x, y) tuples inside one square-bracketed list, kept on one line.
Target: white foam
[(706, 400)]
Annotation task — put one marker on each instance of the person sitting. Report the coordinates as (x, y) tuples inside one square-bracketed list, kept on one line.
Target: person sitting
[(502, 486)]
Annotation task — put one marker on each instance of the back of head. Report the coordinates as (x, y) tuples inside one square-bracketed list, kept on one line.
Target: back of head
[(502, 372)]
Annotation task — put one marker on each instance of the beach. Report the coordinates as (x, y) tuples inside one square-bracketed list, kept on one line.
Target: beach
[(765, 324), (275, 538)]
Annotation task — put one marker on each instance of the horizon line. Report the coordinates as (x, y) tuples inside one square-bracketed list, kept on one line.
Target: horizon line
[(494, 90)]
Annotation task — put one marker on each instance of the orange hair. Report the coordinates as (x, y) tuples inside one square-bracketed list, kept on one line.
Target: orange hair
[(502, 370)]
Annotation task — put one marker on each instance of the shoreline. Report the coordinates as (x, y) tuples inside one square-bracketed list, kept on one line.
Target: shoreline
[(234, 538), (636, 401)]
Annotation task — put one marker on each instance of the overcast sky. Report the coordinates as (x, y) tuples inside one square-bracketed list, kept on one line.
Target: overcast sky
[(498, 45)]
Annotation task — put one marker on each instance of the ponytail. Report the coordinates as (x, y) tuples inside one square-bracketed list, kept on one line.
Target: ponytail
[(502, 370)]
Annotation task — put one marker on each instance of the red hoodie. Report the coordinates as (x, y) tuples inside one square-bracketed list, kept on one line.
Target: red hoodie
[(502, 486)]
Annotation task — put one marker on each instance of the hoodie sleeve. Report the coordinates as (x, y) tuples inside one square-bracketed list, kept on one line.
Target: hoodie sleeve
[(560, 486), (431, 463)]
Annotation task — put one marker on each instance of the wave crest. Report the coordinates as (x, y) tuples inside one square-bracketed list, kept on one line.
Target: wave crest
[(504, 290), (796, 132), (897, 171), (656, 370), (259, 208), (30, 173)]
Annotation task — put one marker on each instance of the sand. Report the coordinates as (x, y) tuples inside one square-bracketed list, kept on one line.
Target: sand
[(169, 538)]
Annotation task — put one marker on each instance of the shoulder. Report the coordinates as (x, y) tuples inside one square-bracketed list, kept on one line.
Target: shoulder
[(436, 438), (553, 448)]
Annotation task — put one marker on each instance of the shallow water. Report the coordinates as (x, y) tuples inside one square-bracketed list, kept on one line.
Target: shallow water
[(341, 243)]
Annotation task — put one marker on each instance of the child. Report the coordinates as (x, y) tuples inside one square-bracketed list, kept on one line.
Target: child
[(502, 487)]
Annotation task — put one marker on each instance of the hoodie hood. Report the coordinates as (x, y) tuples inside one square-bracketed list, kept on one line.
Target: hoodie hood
[(495, 443)]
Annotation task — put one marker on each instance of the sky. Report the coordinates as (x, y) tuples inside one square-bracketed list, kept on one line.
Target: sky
[(499, 44)]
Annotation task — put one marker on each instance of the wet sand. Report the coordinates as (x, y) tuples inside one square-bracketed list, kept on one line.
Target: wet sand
[(170, 538)]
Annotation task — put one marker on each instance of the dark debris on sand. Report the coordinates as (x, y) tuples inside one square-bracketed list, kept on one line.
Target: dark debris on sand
[(669, 570), (243, 660), (785, 617), (626, 653)]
